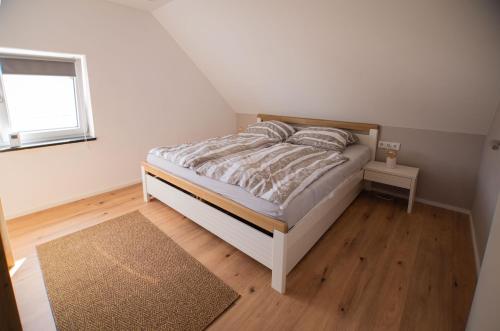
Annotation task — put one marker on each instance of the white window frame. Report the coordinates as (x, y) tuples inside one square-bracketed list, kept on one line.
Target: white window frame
[(85, 127)]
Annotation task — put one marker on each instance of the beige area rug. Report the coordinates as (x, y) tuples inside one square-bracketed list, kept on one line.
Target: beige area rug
[(126, 274)]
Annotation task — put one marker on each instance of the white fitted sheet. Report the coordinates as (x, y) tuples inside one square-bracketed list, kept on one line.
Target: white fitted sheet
[(358, 156)]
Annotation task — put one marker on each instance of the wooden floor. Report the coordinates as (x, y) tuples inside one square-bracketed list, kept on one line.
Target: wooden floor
[(377, 268)]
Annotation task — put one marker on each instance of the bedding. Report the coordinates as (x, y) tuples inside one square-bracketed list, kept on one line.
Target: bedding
[(277, 173), (195, 154), (323, 137), (358, 156), (272, 129)]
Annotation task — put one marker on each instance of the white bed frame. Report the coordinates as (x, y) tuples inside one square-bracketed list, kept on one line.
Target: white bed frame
[(282, 249)]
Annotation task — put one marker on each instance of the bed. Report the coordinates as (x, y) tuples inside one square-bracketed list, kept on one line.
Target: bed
[(278, 238)]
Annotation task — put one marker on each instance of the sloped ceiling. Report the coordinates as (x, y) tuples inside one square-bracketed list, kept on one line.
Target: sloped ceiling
[(430, 64)]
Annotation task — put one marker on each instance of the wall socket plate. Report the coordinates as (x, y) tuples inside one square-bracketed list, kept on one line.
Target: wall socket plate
[(389, 145)]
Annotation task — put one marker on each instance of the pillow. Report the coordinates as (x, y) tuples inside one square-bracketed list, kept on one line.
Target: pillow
[(272, 129), (323, 137), (352, 139)]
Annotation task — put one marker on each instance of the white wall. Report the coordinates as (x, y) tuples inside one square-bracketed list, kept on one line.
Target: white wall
[(145, 92), (427, 64), (484, 314), (488, 187)]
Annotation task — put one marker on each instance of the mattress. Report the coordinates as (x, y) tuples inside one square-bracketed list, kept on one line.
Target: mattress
[(358, 156)]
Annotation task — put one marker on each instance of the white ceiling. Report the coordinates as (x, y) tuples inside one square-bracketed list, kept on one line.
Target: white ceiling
[(148, 5)]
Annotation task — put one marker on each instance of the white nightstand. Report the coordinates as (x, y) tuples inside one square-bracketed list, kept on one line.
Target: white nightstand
[(401, 176)]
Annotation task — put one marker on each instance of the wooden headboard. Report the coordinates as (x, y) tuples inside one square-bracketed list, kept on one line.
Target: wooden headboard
[(366, 132)]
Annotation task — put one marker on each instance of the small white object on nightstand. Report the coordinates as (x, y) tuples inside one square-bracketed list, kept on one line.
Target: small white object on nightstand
[(401, 176)]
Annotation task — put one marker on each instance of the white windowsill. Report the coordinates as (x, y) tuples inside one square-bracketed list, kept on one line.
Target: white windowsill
[(46, 143)]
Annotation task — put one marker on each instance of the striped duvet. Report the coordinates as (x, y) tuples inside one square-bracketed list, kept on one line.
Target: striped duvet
[(277, 173), (195, 154)]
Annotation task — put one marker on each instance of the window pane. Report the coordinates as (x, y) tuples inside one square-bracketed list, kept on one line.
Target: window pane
[(40, 102)]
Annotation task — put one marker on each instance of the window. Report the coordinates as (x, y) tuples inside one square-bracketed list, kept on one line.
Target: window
[(44, 97)]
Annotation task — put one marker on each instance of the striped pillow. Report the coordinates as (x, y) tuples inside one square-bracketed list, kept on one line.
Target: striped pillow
[(272, 129), (323, 137)]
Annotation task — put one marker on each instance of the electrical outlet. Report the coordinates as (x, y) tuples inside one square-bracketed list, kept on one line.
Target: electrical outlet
[(389, 145)]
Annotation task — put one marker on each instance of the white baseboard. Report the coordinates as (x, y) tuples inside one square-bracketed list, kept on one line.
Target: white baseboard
[(474, 244), (10, 216), (444, 206), (424, 201)]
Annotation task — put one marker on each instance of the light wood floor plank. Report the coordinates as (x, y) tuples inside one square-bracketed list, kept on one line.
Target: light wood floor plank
[(377, 268)]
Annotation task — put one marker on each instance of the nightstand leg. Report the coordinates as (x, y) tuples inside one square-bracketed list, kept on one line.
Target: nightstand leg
[(412, 195)]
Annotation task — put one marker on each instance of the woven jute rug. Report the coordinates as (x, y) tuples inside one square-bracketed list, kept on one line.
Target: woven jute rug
[(126, 274)]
